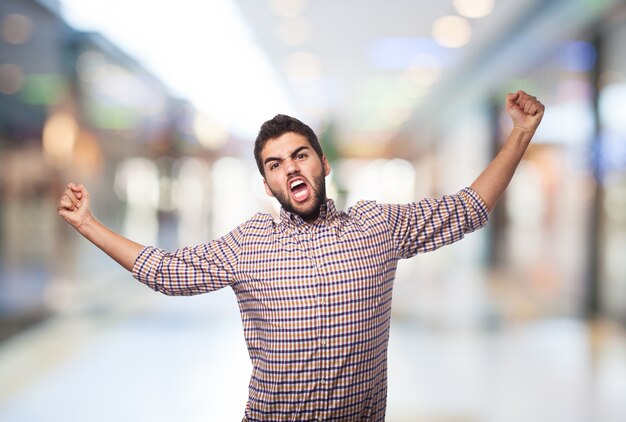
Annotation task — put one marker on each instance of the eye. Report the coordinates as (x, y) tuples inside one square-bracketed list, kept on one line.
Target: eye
[(301, 156), (274, 165)]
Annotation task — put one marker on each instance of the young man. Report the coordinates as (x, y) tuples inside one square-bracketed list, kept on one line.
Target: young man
[(314, 289)]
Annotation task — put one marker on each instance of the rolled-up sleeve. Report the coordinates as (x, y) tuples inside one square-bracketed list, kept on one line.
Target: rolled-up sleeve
[(190, 270), (432, 223)]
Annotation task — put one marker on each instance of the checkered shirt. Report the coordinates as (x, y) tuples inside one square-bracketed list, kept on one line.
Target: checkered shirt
[(315, 299)]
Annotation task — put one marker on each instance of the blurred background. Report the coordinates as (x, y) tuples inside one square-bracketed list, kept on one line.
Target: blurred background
[(154, 106)]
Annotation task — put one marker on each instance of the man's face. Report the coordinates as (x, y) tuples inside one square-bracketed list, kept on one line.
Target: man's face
[(294, 174)]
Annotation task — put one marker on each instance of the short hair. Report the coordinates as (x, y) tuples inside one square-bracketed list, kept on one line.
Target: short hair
[(278, 126)]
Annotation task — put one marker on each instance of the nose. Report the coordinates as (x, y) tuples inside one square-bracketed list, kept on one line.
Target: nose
[(291, 167)]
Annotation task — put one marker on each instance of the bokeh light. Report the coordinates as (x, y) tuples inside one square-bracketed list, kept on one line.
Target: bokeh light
[(59, 137), (155, 106), (16, 29), (474, 8), (287, 8), (452, 31), (209, 133)]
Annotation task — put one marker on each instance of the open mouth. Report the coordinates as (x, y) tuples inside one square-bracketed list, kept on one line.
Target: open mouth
[(299, 190)]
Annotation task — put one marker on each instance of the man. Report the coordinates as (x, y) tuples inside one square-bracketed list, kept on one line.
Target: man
[(314, 289)]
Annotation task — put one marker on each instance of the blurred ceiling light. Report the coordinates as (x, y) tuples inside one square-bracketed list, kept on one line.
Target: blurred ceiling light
[(16, 29), (473, 8), (287, 8), (59, 137), (10, 78), (425, 69), (210, 134), (303, 67), (294, 31), (452, 31)]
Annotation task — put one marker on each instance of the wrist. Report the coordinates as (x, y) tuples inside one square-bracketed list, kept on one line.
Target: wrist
[(524, 130), (87, 225), (521, 135)]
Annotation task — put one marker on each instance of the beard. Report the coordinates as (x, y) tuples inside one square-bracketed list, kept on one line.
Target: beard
[(309, 211)]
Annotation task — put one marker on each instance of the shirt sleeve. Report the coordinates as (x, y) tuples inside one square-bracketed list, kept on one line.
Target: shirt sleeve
[(191, 270), (432, 223)]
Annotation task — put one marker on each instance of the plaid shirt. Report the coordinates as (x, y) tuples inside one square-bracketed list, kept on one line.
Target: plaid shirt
[(315, 299)]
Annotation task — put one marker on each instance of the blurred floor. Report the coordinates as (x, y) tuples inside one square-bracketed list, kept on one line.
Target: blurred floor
[(124, 353)]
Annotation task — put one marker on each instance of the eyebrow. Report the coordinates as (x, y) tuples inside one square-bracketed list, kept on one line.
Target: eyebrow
[(293, 154)]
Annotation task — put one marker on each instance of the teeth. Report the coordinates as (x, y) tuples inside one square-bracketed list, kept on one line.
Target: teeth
[(296, 183)]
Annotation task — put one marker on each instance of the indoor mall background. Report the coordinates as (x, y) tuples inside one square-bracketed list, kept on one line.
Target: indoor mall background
[(154, 106)]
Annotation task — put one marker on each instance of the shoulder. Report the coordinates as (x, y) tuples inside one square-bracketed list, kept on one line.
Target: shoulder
[(259, 222), (384, 212), (258, 225), (366, 212), (363, 208)]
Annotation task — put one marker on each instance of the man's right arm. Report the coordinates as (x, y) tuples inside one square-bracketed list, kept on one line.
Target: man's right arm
[(74, 207)]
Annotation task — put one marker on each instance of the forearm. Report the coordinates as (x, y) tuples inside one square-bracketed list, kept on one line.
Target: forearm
[(493, 181), (124, 251)]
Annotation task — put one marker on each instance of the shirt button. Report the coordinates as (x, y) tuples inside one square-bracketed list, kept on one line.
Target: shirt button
[(322, 302), (323, 342)]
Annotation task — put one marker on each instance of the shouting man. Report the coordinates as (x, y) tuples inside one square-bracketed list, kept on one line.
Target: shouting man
[(314, 289)]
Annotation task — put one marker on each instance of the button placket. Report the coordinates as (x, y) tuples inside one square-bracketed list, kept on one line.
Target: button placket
[(316, 251)]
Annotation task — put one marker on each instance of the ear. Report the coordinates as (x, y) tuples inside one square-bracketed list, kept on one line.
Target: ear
[(267, 188), (326, 165)]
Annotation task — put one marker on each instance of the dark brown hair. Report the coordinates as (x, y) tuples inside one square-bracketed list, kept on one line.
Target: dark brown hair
[(278, 126)]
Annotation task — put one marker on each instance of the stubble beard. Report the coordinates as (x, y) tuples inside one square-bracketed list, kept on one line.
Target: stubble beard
[(307, 213)]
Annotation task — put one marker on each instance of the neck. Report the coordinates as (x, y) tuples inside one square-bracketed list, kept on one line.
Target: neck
[(310, 219), (314, 215)]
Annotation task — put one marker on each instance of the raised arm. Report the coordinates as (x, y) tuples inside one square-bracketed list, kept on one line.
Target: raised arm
[(74, 207), (526, 112)]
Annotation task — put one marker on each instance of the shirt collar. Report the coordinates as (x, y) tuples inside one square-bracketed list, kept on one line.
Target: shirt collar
[(327, 214)]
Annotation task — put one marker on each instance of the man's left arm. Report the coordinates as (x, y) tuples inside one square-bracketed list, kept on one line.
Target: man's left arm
[(526, 113), (433, 222)]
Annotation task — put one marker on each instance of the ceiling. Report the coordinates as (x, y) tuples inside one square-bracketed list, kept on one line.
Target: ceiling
[(371, 70), (367, 66)]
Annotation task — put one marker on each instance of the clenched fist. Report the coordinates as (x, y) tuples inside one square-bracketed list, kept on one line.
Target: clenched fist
[(525, 111), (73, 205)]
